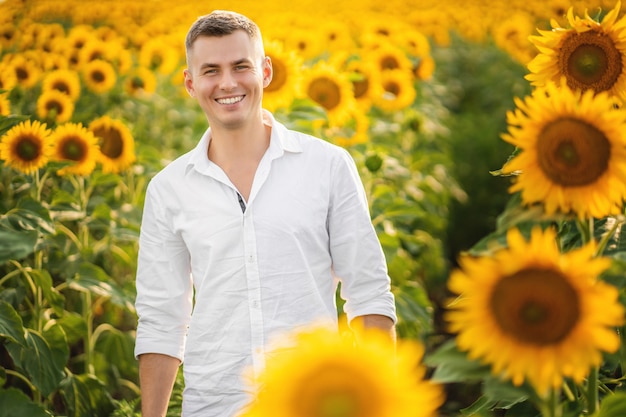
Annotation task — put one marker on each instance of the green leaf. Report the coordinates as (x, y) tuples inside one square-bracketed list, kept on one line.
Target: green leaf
[(43, 280), (16, 244), (613, 406), (11, 326), (74, 326), (39, 361), (16, 403), (503, 393), (86, 396), (451, 365), (94, 279)]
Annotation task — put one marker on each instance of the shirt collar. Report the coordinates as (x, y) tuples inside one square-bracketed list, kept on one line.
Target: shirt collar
[(281, 141)]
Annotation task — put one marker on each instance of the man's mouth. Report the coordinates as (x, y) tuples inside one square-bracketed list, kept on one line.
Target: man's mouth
[(230, 100)]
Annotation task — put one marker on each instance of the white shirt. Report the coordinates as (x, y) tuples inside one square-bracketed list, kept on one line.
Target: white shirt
[(256, 273)]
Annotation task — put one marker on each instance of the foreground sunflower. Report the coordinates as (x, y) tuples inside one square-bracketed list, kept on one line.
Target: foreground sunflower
[(26, 147), (325, 374), (573, 151), (591, 55), (77, 145), (533, 313), (117, 146)]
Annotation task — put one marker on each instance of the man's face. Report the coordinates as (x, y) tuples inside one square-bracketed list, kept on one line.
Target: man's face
[(227, 75)]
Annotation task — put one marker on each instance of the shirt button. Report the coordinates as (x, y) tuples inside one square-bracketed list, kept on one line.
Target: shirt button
[(251, 258), (255, 304)]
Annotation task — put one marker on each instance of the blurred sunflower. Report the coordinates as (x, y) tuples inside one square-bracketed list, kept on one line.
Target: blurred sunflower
[(140, 81), (331, 89), (305, 42), (26, 146), (5, 105), (64, 80), (99, 76), (390, 57), (352, 133), (365, 79), (573, 151), (76, 144), (590, 55), (511, 35), (534, 314), (398, 90), (55, 106), (323, 373), (156, 54), (27, 72), (8, 79), (8, 34), (286, 79), (117, 146)]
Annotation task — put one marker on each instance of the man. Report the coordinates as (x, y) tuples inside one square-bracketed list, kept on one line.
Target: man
[(246, 236)]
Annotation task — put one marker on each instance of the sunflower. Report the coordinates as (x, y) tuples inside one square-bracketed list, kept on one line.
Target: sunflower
[(8, 78), (27, 72), (534, 314), (286, 79), (305, 42), (64, 80), (156, 54), (511, 35), (573, 154), (323, 373), (398, 90), (331, 89), (140, 81), (5, 105), (365, 79), (99, 76), (390, 57), (54, 105), (117, 146), (26, 146), (590, 55), (77, 145)]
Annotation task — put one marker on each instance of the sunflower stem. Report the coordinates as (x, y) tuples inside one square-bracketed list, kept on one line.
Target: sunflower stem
[(592, 391)]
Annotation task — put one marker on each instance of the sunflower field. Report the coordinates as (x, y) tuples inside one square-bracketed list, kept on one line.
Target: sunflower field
[(491, 140)]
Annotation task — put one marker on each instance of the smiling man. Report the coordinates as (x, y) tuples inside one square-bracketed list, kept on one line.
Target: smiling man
[(246, 236)]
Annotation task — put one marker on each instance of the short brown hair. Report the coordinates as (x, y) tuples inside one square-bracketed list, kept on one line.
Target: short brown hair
[(221, 23)]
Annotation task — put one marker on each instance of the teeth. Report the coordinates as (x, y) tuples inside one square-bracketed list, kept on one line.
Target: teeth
[(230, 100)]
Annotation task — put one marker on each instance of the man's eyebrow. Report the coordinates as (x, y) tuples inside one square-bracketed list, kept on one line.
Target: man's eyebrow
[(236, 62)]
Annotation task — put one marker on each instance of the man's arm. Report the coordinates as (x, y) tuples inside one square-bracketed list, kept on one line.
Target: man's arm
[(157, 374), (377, 321)]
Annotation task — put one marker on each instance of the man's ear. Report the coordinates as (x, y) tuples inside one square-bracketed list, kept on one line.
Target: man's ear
[(268, 71), (189, 83)]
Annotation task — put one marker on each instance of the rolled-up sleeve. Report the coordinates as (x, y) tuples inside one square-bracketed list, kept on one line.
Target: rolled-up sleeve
[(358, 259), (164, 285)]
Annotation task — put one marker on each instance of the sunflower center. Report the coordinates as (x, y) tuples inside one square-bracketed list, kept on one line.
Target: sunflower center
[(360, 86), (536, 306), (73, 149), (392, 88), (279, 76), (111, 142), (137, 82), (98, 76), (54, 108), (27, 148), (325, 92), (336, 390), (337, 404), (389, 63), (572, 152), (61, 86), (590, 60)]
